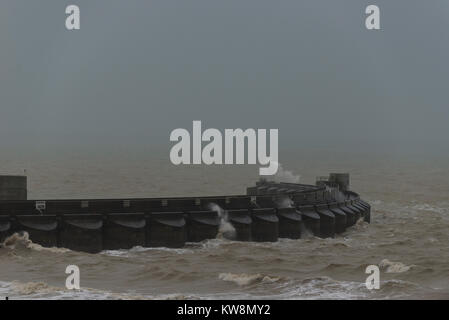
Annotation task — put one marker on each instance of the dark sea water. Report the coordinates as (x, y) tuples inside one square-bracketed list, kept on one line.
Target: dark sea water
[(408, 237)]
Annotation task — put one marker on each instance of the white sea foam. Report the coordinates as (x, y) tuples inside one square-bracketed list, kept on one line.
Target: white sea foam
[(283, 175), (226, 229), (428, 207), (139, 250), (394, 267)]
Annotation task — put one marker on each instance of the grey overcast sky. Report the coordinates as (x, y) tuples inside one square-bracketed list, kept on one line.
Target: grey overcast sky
[(138, 69)]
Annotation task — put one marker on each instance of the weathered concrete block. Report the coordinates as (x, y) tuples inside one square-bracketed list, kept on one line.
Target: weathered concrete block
[(13, 187)]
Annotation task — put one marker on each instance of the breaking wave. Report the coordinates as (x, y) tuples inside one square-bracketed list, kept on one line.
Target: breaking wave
[(21, 240), (244, 279), (394, 267), (283, 175)]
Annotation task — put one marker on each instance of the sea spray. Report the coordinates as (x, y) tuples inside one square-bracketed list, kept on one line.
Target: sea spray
[(288, 176), (22, 239), (226, 229), (283, 175), (18, 240)]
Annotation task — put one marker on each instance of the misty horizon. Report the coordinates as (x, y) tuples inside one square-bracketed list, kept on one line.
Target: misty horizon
[(137, 70)]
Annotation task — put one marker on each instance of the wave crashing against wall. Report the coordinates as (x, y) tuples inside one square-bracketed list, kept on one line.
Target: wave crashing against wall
[(269, 211)]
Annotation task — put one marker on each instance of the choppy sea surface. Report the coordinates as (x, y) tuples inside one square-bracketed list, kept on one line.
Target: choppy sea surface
[(408, 237)]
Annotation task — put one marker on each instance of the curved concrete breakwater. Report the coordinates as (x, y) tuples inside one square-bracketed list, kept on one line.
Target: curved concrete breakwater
[(269, 211)]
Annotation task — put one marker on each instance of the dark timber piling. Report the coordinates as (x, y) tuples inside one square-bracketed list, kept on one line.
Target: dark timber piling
[(367, 216), (357, 211), (5, 227), (350, 214), (327, 221), (41, 229), (340, 217)]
